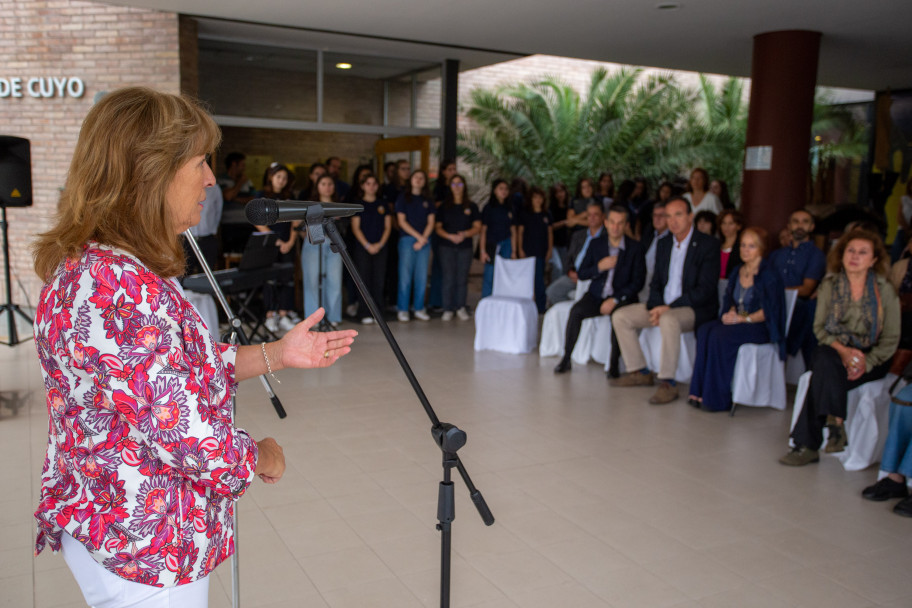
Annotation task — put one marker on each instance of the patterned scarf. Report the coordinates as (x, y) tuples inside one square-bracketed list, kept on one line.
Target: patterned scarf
[(872, 312)]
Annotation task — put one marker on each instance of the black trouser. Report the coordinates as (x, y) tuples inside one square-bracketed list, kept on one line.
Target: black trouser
[(454, 264), (372, 269), (828, 394), (586, 307)]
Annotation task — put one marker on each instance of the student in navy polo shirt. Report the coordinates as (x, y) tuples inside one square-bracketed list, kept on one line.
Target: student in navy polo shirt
[(498, 232), (415, 212), (371, 229), (536, 239), (458, 220)]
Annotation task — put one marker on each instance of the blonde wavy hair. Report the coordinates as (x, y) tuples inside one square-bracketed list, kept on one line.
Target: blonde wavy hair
[(130, 147)]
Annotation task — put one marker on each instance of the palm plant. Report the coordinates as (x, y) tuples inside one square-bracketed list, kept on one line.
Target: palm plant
[(546, 132)]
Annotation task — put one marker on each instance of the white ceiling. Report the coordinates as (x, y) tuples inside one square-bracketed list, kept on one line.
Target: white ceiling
[(866, 44)]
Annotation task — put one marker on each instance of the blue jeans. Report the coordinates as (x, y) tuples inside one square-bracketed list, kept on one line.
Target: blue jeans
[(413, 273), (332, 280), (505, 250)]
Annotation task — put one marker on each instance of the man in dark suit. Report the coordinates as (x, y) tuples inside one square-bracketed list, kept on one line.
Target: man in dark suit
[(616, 265), (561, 289), (683, 295)]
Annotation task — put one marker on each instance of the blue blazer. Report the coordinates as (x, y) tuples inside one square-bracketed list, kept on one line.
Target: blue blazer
[(629, 273), (700, 283), (772, 300)]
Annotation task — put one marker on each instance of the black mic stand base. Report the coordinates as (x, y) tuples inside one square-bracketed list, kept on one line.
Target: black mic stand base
[(447, 436)]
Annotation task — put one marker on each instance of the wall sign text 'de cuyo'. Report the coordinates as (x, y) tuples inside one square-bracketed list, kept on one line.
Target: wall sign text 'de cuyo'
[(41, 88)]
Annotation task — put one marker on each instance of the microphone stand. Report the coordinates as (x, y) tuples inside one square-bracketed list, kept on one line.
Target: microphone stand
[(236, 335), (448, 437)]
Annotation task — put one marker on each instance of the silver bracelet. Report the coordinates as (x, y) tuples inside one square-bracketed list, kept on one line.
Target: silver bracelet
[(268, 367)]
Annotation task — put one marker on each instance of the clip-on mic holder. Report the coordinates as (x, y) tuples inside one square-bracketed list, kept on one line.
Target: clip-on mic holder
[(448, 437)]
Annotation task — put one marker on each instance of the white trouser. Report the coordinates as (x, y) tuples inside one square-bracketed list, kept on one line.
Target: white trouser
[(103, 589)]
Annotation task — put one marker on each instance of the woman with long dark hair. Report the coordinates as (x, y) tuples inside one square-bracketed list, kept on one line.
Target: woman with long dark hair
[(698, 194), (458, 220), (278, 298), (558, 205), (331, 281), (415, 212), (585, 194), (536, 239), (498, 232), (371, 230)]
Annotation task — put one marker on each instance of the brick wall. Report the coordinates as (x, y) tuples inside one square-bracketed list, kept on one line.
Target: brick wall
[(105, 46)]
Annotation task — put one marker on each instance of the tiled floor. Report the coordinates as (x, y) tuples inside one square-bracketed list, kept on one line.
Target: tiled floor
[(600, 498)]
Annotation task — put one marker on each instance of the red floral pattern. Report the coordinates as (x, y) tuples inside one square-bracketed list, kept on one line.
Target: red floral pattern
[(144, 462)]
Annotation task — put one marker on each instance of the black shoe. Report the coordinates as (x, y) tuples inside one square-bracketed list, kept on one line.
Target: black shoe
[(885, 489), (695, 403), (904, 507), (613, 373), (562, 367)]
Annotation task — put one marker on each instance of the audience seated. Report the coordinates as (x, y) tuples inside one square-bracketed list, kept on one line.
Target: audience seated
[(562, 289), (802, 266), (616, 265), (683, 296), (754, 312), (857, 325)]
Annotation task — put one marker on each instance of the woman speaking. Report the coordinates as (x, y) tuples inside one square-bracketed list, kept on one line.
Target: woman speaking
[(144, 462)]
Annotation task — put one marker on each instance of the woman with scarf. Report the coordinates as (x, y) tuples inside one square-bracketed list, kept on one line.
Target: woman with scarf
[(857, 325)]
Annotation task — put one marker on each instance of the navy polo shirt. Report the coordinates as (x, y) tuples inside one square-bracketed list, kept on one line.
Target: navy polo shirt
[(457, 218), (535, 232), (416, 212), (372, 220), (795, 264), (498, 219)]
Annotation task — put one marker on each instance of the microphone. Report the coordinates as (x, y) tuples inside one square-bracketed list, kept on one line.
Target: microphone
[(266, 211)]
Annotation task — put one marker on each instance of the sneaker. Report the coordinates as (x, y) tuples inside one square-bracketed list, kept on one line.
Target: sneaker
[(837, 440), (293, 317), (634, 379), (272, 324), (421, 315), (285, 324), (403, 316), (800, 456), (885, 489), (447, 315), (666, 393), (352, 309), (367, 321), (463, 314)]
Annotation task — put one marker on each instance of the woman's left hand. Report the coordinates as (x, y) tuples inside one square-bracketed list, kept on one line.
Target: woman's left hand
[(302, 348)]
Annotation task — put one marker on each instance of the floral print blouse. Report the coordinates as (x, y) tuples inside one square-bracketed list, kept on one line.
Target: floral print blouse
[(144, 462)]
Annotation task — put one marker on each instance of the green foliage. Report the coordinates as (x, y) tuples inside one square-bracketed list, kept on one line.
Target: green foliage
[(626, 123)]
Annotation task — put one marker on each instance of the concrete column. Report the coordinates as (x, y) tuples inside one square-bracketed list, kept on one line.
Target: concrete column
[(783, 79)]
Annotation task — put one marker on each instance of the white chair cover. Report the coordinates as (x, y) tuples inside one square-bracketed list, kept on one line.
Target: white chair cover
[(759, 378), (554, 330), (651, 343), (866, 424), (507, 320)]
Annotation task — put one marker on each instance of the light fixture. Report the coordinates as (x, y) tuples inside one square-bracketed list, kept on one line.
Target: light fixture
[(818, 138), (344, 66), (668, 6)]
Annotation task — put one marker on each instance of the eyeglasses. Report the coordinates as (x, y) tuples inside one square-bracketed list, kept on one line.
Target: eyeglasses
[(457, 185)]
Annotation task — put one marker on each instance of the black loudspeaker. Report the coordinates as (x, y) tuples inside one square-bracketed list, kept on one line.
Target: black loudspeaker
[(15, 172)]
